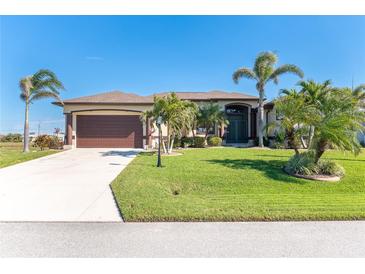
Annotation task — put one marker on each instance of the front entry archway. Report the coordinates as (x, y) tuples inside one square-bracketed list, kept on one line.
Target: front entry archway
[(237, 130)]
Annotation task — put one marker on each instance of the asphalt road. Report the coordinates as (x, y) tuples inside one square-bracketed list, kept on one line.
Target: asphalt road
[(255, 239)]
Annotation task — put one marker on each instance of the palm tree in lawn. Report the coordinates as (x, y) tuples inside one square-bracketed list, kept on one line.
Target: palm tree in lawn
[(337, 122), (263, 72), (177, 115), (359, 94), (295, 116), (314, 93), (210, 115), (43, 84)]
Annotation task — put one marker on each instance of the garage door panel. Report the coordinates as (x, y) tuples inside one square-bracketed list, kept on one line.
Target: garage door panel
[(109, 131)]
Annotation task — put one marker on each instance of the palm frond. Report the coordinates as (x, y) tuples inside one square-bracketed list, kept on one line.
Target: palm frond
[(263, 61), (359, 92), (45, 78), (288, 68), (25, 85), (42, 94), (243, 73)]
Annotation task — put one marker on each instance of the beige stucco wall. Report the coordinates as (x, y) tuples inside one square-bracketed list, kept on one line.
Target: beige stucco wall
[(271, 118), (81, 107)]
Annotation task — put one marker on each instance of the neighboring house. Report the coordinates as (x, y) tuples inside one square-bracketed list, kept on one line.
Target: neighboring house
[(112, 119)]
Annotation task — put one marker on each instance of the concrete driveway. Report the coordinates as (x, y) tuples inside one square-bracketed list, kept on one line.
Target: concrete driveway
[(68, 186)]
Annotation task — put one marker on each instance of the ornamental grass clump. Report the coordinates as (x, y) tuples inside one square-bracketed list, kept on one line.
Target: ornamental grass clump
[(304, 164)]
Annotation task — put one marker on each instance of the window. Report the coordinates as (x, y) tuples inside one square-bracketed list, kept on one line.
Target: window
[(236, 109)]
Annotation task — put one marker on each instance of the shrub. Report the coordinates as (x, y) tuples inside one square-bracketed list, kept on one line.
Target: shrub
[(55, 143), (12, 137), (327, 167), (177, 142), (42, 141), (186, 141), (279, 140), (199, 141), (362, 143), (304, 164), (214, 141)]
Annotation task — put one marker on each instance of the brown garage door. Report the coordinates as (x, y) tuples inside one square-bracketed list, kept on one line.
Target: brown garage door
[(109, 131)]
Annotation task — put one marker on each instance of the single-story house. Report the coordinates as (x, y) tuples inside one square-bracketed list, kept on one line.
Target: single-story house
[(112, 119)]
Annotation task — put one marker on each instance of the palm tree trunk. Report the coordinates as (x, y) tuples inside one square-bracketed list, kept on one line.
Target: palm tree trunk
[(193, 129), (26, 129), (320, 149), (304, 145), (206, 133), (172, 143), (310, 136), (163, 145), (261, 118), (168, 137)]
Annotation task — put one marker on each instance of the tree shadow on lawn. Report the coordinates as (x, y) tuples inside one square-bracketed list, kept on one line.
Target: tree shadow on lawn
[(271, 169)]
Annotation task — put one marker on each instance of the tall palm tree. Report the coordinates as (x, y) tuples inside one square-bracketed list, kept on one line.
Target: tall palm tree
[(43, 84), (263, 72), (210, 115)]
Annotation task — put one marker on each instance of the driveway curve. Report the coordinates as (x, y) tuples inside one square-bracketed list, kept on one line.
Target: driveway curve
[(70, 186)]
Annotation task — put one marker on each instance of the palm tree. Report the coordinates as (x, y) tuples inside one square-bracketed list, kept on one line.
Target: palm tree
[(263, 72), (210, 115), (314, 94), (295, 116), (57, 131), (359, 94), (43, 84), (177, 115), (337, 122)]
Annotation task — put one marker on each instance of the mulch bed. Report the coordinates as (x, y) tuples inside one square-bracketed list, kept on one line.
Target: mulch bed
[(323, 178)]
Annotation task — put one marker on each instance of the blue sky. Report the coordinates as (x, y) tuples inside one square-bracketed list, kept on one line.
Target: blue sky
[(147, 54)]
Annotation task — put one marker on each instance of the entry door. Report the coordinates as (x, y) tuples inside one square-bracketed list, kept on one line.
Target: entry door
[(237, 129)]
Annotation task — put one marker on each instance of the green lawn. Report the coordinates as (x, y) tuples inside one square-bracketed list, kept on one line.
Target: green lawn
[(232, 184), (11, 153)]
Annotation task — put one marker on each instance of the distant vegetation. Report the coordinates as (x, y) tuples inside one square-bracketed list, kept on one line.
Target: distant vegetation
[(12, 137)]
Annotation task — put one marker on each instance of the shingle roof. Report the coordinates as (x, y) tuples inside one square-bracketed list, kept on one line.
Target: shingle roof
[(119, 97), (210, 95), (112, 97)]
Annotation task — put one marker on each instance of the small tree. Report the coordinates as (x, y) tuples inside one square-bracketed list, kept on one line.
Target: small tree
[(177, 115), (295, 116), (314, 93), (210, 115), (337, 123)]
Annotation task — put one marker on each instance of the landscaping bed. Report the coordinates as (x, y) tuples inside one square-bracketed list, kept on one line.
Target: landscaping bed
[(233, 184)]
